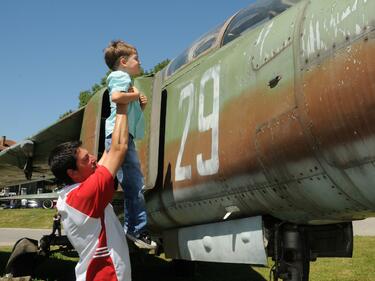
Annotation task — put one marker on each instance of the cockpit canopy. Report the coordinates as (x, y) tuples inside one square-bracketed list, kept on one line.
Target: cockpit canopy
[(244, 21)]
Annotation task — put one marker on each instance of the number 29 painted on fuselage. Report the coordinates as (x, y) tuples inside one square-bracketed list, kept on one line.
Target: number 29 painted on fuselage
[(210, 166)]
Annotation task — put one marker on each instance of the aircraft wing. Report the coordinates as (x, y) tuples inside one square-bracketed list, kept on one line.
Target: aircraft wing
[(50, 195), (30, 157)]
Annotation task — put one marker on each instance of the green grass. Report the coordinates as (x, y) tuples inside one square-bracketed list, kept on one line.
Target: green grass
[(150, 268), (359, 268), (26, 218)]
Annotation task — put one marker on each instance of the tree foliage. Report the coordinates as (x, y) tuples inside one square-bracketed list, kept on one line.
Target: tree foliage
[(84, 98), (158, 67), (65, 114)]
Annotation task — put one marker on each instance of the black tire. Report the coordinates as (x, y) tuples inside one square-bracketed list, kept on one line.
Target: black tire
[(47, 204)]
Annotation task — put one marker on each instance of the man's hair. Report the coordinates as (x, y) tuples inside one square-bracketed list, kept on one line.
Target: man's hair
[(62, 158), (115, 50)]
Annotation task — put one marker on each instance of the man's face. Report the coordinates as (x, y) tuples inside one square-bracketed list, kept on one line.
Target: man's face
[(86, 164), (133, 65)]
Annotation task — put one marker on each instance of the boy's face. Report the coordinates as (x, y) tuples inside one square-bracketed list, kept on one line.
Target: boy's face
[(132, 65)]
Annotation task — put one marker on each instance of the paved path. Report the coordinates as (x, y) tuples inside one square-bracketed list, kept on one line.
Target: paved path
[(9, 236), (364, 227)]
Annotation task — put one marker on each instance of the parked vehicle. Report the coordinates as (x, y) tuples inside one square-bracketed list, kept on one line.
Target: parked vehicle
[(33, 204)]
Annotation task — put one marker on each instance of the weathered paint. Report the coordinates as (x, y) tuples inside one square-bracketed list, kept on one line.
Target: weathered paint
[(293, 150), (91, 123), (144, 85)]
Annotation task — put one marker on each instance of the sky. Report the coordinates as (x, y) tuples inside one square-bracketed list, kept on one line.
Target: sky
[(52, 50)]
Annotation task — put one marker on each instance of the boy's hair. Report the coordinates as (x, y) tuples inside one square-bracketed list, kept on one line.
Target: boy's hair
[(115, 50), (62, 158)]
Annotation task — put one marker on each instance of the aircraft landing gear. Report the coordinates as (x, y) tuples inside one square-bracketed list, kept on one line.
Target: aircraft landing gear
[(291, 254)]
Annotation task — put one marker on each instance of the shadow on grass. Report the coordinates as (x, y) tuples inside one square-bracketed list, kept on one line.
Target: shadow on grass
[(50, 269), (4, 256), (151, 268), (145, 268), (55, 269)]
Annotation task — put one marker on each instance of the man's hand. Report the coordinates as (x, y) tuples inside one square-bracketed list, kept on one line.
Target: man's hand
[(134, 90), (143, 101)]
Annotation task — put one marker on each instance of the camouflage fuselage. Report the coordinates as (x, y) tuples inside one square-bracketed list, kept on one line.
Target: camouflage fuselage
[(280, 121)]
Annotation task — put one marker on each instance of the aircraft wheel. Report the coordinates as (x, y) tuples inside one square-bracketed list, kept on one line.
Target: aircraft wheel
[(47, 204)]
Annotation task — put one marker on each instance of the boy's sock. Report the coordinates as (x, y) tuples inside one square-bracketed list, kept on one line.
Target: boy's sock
[(142, 241)]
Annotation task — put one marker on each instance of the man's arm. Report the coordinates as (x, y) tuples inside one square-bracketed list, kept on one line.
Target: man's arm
[(125, 97), (113, 159)]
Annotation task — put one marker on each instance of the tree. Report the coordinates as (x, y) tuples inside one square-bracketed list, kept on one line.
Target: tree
[(65, 114), (158, 67), (84, 98)]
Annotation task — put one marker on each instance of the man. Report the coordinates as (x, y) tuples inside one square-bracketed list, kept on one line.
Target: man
[(56, 224), (84, 205)]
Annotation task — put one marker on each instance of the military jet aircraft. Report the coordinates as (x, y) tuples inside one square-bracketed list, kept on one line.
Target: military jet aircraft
[(260, 137)]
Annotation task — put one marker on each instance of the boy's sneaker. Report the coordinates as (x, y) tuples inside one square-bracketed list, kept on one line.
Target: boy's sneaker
[(143, 241)]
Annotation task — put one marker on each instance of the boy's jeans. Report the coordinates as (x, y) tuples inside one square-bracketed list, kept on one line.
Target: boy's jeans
[(131, 179)]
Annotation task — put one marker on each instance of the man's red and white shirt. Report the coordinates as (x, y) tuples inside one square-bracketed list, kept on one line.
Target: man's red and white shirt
[(93, 228)]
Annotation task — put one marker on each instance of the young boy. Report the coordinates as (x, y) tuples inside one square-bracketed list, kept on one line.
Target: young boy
[(122, 59)]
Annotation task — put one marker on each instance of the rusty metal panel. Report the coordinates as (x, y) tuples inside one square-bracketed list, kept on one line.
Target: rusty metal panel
[(339, 101), (147, 148), (336, 92), (284, 151), (330, 24), (294, 129), (274, 37), (91, 123)]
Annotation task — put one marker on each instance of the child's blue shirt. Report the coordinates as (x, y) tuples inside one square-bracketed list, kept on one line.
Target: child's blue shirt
[(120, 81)]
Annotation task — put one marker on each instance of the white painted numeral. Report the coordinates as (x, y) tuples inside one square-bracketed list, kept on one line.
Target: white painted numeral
[(205, 123), (183, 173), (211, 121)]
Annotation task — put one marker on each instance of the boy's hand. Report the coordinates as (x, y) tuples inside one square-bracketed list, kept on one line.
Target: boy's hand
[(143, 101)]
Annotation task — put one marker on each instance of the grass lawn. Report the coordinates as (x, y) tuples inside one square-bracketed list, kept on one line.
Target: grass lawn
[(26, 218), (149, 268), (359, 268)]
